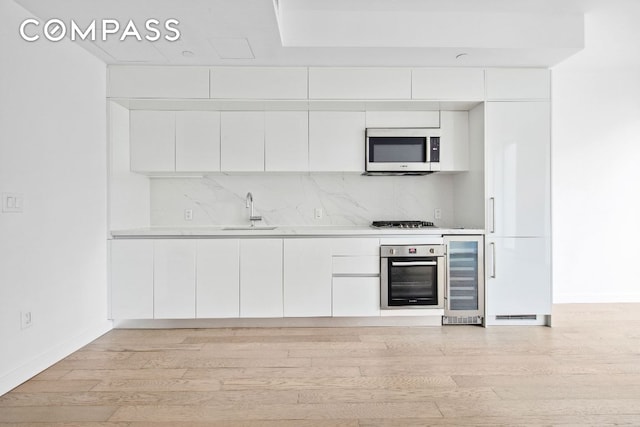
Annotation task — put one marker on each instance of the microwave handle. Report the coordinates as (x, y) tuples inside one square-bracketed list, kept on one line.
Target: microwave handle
[(413, 263)]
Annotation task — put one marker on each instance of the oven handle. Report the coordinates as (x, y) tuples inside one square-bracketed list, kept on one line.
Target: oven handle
[(413, 263)]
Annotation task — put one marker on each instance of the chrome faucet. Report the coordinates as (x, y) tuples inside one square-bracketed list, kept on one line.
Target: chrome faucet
[(252, 217)]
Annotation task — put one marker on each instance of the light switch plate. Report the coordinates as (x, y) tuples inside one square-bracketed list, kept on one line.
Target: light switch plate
[(12, 202)]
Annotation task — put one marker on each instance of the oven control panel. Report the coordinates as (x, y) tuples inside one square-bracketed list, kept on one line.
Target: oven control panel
[(412, 251)]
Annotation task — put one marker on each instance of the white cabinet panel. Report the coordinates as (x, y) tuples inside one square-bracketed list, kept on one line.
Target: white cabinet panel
[(174, 271), (259, 83), (399, 119), (356, 296), (359, 83), (242, 141), (286, 141), (261, 278), (336, 141), (518, 83), (463, 84), (307, 277), (356, 265), (152, 139), (157, 82), (454, 146), (197, 141), (218, 278), (518, 276), (517, 160), (132, 279), (354, 246)]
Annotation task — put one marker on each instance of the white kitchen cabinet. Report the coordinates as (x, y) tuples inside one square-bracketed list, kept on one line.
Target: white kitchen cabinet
[(131, 279), (355, 246), (157, 82), (261, 278), (307, 277), (174, 279), (454, 146), (242, 141), (517, 157), (518, 83), (356, 296), (402, 119), (197, 141), (359, 83), (218, 278), (286, 141), (152, 141), (448, 84), (518, 276), (336, 141), (259, 83)]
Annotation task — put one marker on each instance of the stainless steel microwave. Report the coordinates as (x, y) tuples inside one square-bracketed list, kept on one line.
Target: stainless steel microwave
[(402, 151)]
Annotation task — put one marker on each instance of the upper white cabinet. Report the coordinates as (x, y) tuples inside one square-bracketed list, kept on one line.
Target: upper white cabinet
[(454, 146), (518, 83), (197, 141), (157, 82), (359, 83), (174, 279), (131, 279), (152, 141), (218, 278), (336, 141), (258, 83), (448, 84), (170, 141), (307, 277), (261, 278), (242, 141), (286, 141), (517, 156), (399, 119)]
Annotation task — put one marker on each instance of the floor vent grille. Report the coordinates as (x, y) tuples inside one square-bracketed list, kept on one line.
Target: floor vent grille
[(462, 320), (517, 317)]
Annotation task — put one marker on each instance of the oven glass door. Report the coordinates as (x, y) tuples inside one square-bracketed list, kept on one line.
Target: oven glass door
[(405, 149), (413, 281)]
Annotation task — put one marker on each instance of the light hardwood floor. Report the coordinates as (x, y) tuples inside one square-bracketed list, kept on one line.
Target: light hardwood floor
[(583, 371)]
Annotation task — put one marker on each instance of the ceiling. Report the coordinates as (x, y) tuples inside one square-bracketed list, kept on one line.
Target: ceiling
[(337, 32)]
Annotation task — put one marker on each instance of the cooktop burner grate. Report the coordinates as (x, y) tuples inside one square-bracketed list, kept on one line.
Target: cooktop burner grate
[(402, 224)]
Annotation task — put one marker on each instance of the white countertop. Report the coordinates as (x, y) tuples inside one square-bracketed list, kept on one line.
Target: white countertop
[(288, 231)]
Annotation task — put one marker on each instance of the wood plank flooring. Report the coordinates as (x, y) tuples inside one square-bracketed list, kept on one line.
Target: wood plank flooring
[(583, 371)]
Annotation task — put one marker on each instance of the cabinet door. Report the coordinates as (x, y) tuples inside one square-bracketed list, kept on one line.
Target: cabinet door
[(259, 82), (127, 81), (359, 83), (174, 287), (356, 296), (197, 141), (286, 140), (307, 277), (218, 278), (132, 279), (242, 141), (518, 83), (336, 141), (463, 84), (518, 169), (152, 141), (454, 149), (261, 278), (518, 276)]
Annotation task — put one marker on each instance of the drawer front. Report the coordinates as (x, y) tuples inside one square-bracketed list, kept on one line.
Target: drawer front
[(356, 296), (355, 247), (369, 265)]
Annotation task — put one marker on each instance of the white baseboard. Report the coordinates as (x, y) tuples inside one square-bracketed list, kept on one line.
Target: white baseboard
[(568, 298), (51, 356)]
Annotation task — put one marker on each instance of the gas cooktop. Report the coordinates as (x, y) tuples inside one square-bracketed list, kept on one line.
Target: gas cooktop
[(402, 224)]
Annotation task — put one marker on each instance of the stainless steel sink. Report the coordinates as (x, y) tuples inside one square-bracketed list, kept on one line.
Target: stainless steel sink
[(250, 228)]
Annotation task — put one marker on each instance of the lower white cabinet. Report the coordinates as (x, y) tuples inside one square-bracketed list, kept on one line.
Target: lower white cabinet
[(174, 279), (307, 277), (131, 279), (518, 276), (218, 278), (356, 296), (261, 278)]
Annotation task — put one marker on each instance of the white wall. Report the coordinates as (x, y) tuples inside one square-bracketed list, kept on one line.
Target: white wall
[(53, 150), (596, 157)]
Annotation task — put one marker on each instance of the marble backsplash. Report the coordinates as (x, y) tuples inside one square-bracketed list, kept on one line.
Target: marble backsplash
[(291, 199)]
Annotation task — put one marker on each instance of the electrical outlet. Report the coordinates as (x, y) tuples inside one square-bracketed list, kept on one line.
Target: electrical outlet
[(437, 213), (25, 319), (188, 214), (12, 202), (317, 213)]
